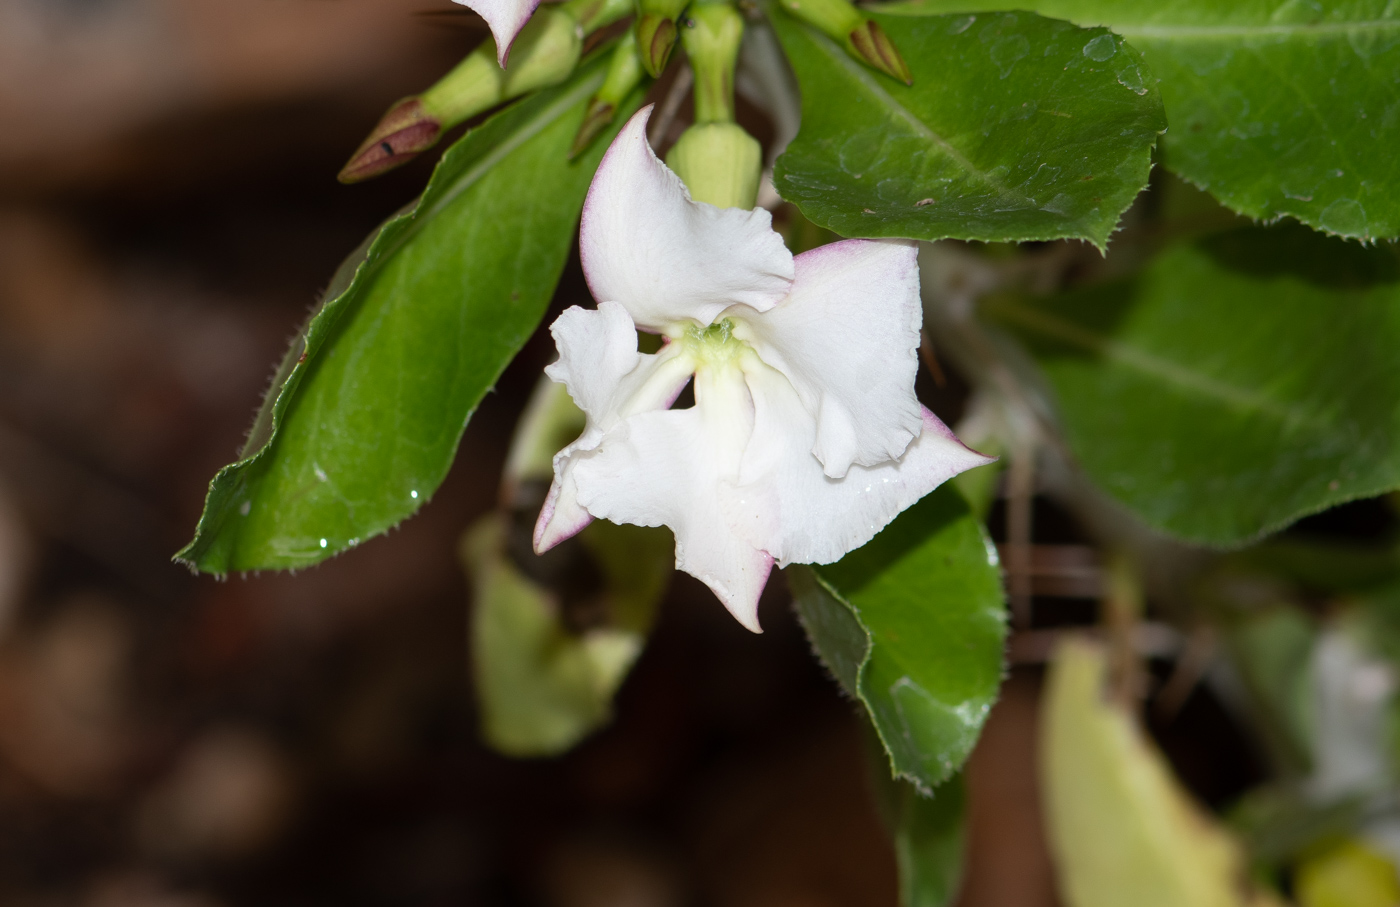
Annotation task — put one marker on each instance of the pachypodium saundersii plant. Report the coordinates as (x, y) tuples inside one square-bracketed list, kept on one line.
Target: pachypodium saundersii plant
[(806, 438), (1183, 371)]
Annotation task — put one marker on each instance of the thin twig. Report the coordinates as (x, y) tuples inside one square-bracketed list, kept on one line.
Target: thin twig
[(926, 352), (1020, 491), (1195, 661), (1122, 611), (670, 106)]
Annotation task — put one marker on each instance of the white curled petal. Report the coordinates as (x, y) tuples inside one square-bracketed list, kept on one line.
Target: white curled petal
[(505, 18), (609, 380), (665, 469), (561, 517), (606, 376), (646, 244), (847, 337), (784, 503), (597, 349)]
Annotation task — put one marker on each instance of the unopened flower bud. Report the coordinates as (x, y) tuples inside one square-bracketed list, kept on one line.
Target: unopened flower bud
[(719, 163), (869, 42), (862, 38), (546, 51), (624, 74), (656, 32), (712, 35), (404, 131)]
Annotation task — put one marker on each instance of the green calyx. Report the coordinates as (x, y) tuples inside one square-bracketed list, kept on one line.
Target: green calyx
[(719, 163), (711, 34)]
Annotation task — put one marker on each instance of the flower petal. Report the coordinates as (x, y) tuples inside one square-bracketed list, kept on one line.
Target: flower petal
[(786, 506), (666, 469), (847, 337), (609, 380), (645, 244), (505, 18), (561, 518)]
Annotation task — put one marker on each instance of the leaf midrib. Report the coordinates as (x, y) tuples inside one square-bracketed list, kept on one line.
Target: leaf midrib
[(1146, 363), (858, 73), (1165, 30), (1169, 32), (473, 174)]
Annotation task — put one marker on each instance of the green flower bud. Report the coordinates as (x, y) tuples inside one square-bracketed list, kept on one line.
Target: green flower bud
[(862, 38), (836, 18), (870, 43), (719, 163), (404, 131), (624, 74), (656, 32), (545, 53)]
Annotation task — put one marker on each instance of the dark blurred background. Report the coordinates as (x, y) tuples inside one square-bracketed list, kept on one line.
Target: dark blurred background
[(168, 214)]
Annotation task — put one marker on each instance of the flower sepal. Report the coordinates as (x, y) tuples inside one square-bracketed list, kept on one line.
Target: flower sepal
[(720, 164)]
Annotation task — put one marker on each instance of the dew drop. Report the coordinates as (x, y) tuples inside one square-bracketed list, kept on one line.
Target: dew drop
[(323, 543), (1100, 48), (413, 494)]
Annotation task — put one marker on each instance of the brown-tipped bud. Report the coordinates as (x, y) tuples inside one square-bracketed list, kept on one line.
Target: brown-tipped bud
[(624, 75), (869, 42), (595, 120), (404, 132), (656, 35)]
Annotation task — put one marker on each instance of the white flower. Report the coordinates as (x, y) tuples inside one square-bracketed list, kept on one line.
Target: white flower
[(505, 18), (805, 439)]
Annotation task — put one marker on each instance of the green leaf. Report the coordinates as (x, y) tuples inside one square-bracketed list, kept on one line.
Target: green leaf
[(912, 625), (1233, 386), (1017, 127), (368, 408), (1277, 108)]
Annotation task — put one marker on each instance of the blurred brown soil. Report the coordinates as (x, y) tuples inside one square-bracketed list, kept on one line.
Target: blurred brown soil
[(168, 214)]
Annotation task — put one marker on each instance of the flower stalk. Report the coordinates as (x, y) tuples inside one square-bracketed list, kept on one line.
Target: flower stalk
[(719, 162), (861, 36)]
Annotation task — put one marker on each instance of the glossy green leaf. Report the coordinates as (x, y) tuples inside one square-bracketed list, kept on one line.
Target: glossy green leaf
[(1233, 386), (912, 625), (1017, 127), (1278, 107), (368, 408)]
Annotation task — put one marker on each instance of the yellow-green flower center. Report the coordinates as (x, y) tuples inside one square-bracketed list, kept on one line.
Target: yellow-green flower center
[(715, 345)]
